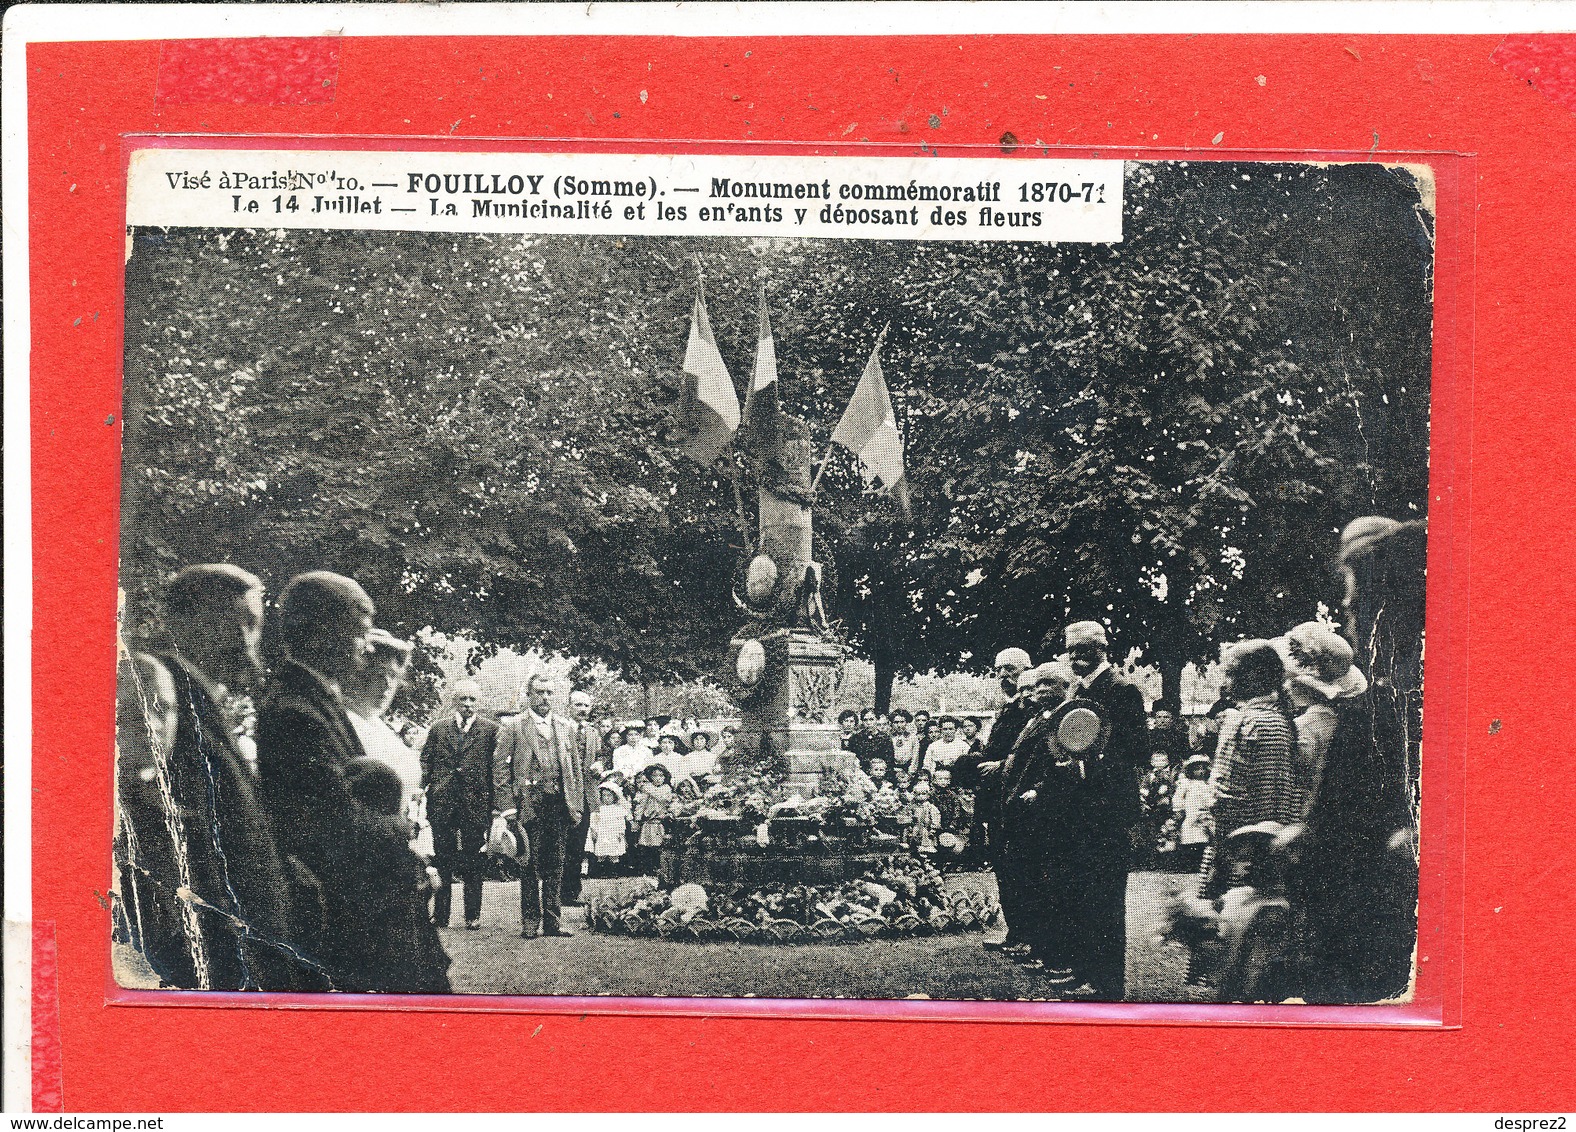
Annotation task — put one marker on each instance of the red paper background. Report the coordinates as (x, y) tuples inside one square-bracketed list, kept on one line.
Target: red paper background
[(1503, 441)]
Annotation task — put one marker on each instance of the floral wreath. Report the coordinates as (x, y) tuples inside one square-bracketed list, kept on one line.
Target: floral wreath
[(773, 674)]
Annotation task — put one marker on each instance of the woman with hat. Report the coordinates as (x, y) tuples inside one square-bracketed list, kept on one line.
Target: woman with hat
[(1319, 674)]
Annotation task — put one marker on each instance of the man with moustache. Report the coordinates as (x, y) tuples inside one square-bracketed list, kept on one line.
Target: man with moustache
[(538, 768), (1034, 849), (204, 891), (587, 744), (456, 766), (1105, 813), (305, 740), (1087, 650), (1018, 831), (982, 774)]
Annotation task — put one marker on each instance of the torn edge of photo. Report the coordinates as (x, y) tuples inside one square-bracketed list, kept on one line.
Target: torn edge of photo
[(977, 585)]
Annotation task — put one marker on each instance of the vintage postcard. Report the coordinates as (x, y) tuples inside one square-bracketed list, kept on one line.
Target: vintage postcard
[(719, 575)]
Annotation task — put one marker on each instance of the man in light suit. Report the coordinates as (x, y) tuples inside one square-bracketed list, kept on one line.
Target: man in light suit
[(588, 748), (457, 768), (537, 767)]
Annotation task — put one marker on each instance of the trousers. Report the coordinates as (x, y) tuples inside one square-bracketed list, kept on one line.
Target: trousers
[(1098, 940), (574, 853), (541, 886), (457, 852)]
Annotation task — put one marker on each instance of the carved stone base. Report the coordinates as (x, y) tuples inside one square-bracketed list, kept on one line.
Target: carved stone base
[(799, 717)]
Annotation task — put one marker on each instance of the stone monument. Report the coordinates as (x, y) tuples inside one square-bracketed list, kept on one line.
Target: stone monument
[(785, 662)]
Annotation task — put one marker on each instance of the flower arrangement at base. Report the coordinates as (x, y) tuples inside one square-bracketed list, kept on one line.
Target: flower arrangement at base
[(900, 897)]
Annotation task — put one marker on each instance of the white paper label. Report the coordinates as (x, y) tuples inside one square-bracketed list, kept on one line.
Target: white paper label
[(880, 198)]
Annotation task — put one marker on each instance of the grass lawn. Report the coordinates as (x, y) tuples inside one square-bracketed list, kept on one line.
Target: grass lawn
[(495, 960)]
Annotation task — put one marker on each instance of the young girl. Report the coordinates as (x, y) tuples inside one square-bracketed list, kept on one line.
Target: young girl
[(1191, 801), (686, 797), (701, 760), (631, 757), (927, 821), (608, 838), (653, 801), (669, 757)]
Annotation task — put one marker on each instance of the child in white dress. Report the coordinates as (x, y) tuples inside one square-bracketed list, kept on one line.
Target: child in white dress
[(607, 840)]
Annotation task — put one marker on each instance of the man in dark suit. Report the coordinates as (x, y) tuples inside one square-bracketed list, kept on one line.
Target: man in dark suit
[(1123, 702), (982, 774), (191, 820), (1107, 813), (304, 742), (1034, 832), (588, 746), (536, 768), (457, 771)]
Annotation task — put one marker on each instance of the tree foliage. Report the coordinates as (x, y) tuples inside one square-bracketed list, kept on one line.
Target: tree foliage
[(1165, 433)]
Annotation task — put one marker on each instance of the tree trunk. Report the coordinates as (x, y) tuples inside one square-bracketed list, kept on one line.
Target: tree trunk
[(646, 700), (1171, 681), (884, 677)]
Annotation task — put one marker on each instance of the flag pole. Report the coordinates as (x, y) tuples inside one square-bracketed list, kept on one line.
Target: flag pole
[(816, 482), (820, 471), (738, 503)]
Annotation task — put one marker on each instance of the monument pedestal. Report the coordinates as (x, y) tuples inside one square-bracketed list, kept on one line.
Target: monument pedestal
[(797, 716)]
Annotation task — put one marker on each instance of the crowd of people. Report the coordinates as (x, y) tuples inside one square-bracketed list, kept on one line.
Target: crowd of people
[(1293, 805), (313, 846), (317, 850)]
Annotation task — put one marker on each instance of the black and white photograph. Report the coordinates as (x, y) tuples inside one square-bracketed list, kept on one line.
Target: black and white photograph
[(936, 610)]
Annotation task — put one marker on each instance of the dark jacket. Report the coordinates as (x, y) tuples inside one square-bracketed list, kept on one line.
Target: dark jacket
[(242, 911), (868, 745), (1027, 767), (1358, 892), (1109, 806), (457, 769), (339, 847), (1010, 721), (989, 788), (1124, 707)]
